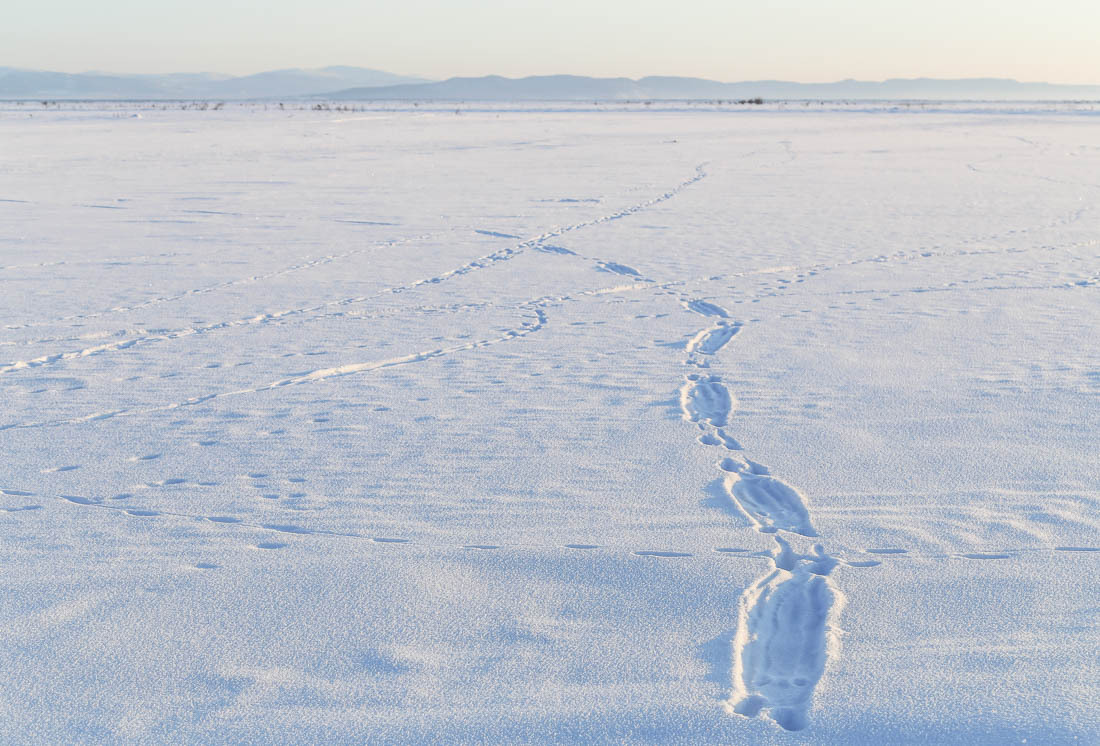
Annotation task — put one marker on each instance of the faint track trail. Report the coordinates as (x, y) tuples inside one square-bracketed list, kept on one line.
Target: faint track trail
[(104, 262), (474, 265), (785, 559), (534, 306), (537, 243), (479, 263), (804, 272), (309, 264), (316, 376), (311, 312), (709, 340), (511, 252)]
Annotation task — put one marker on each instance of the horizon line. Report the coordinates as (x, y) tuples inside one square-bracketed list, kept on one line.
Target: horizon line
[(429, 80)]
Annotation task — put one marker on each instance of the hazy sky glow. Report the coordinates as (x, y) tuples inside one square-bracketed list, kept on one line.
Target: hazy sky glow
[(728, 40)]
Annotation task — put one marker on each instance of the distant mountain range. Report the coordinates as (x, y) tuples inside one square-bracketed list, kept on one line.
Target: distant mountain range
[(23, 84), (362, 84), (577, 88)]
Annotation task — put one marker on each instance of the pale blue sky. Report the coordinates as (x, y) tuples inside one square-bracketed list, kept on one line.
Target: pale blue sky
[(1058, 40)]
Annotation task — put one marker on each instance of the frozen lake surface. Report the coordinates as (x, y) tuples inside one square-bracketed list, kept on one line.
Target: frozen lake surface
[(532, 425)]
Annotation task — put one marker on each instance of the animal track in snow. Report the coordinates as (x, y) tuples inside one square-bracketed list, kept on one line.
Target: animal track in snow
[(719, 437), (527, 327), (728, 442), (562, 200), (710, 341), (81, 500), (706, 308), (532, 243), (619, 269), (547, 249), (785, 635), (786, 621), (286, 529), (705, 399), (537, 242), (770, 503)]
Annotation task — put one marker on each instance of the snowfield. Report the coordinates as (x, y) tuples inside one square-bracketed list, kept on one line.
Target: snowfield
[(550, 424)]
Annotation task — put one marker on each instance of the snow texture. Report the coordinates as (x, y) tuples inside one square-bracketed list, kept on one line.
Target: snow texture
[(540, 425)]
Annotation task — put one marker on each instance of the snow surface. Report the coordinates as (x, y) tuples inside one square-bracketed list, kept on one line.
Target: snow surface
[(549, 426)]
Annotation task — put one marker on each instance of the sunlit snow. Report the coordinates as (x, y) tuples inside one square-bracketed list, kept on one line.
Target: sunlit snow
[(674, 424)]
